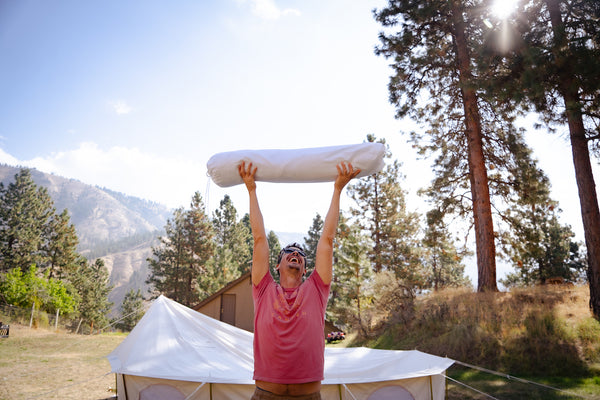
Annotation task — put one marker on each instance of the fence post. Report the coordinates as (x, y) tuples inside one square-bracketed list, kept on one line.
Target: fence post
[(56, 322), (32, 311)]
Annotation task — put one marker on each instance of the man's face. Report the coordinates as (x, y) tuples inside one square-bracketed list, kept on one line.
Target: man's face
[(292, 261)]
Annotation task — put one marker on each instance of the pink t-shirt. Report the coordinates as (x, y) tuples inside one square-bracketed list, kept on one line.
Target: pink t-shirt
[(289, 342)]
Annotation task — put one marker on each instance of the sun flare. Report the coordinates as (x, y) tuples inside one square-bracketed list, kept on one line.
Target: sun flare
[(503, 8)]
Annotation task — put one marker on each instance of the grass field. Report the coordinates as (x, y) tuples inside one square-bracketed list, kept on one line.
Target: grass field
[(42, 364)]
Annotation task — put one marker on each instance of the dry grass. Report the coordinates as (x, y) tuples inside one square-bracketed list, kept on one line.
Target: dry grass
[(543, 330), (546, 333), (39, 363)]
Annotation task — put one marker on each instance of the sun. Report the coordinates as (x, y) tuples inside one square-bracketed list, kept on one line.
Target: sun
[(503, 8)]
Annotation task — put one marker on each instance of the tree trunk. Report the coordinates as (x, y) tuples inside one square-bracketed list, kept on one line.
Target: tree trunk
[(584, 176), (482, 210)]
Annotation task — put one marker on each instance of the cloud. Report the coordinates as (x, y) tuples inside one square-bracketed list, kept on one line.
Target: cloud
[(267, 9), (168, 180), (6, 158), (120, 107)]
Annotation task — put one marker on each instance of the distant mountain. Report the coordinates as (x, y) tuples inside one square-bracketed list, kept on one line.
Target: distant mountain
[(99, 214), (118, 228)]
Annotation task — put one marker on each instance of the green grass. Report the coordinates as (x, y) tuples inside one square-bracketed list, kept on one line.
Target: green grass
[(515, 389)]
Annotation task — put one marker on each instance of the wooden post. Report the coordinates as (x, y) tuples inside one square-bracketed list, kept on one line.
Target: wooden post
[(32, 311), (56, 322)]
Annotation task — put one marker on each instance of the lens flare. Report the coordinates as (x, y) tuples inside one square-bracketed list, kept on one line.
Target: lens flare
[(503, 8)]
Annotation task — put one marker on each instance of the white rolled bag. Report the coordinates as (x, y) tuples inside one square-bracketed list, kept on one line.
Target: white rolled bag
[(316, 164)]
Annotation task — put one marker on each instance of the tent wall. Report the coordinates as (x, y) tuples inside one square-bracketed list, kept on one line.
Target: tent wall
[(129, 387), (423, 388)]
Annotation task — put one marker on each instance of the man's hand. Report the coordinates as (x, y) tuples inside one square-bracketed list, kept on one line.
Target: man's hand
[(247, 175), (345, 174)]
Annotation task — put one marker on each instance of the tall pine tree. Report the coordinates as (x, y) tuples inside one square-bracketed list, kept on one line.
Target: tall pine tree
[(231, 238), (92, 283), (179, 265), (25, 214), (312, 240), (553, 69), (61, 246), (394, 230), (441, 257), (433, 77)]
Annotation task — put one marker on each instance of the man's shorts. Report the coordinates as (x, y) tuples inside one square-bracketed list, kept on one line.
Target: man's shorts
[(260, 394)]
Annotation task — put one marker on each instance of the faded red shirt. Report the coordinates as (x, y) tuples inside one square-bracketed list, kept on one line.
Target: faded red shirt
[(289, 343)]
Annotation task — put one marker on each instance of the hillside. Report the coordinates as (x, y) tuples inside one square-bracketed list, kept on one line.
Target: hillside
[(541, 331), (118, 228), (99, 215)]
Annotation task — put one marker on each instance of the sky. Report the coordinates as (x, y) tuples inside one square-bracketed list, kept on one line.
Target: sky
[(137, 95)]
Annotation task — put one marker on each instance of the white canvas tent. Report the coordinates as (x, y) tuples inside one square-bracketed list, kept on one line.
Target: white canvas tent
[(177, 353)]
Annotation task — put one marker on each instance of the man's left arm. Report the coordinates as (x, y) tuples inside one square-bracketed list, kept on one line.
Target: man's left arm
[(324, 255)]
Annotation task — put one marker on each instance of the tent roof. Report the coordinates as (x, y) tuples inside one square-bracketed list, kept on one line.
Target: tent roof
[(175, 342)]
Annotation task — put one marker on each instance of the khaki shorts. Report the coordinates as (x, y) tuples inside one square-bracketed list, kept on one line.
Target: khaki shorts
[(260, 394)]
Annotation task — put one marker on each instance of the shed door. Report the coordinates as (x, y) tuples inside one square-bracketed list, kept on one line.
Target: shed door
[(228, 308)]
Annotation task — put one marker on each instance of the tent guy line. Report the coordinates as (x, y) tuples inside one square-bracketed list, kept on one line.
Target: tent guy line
[(514, 378), (472, 388)]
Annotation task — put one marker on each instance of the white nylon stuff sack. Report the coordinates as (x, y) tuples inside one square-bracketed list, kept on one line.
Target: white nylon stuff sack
[(317, 164)]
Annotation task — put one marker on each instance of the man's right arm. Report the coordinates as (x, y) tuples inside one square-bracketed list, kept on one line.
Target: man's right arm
[(260, 253)]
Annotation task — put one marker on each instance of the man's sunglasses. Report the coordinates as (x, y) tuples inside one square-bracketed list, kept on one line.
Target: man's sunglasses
[(290, 250)]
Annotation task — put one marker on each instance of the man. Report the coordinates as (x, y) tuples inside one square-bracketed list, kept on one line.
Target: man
[(289, 317)]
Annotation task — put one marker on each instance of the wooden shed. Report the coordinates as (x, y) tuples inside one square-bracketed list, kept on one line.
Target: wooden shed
[(232, 304)]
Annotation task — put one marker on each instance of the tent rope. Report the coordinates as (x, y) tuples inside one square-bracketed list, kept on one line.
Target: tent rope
[(348, 391), (514, 378), (194, 392), (143, 306), (472, 388), (67, 386)]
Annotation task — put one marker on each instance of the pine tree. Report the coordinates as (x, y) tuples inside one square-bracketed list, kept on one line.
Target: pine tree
[(394, 230), (25, 213), (433, 80), (312, 240), (231, 236), (92, 283), (554, 70), (167, 260), (538, 246), (132, 310), (61, 246), (274, 249), (179, 268), (441, 258), (351, 272)]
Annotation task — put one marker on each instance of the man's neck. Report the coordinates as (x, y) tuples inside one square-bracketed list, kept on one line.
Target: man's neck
[(290, 281)]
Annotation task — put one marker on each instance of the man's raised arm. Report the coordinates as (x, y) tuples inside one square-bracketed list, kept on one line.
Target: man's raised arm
[(260, 253), (324, 256)]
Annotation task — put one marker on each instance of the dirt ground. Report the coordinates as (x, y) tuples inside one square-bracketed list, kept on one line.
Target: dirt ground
[(42, 364)]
